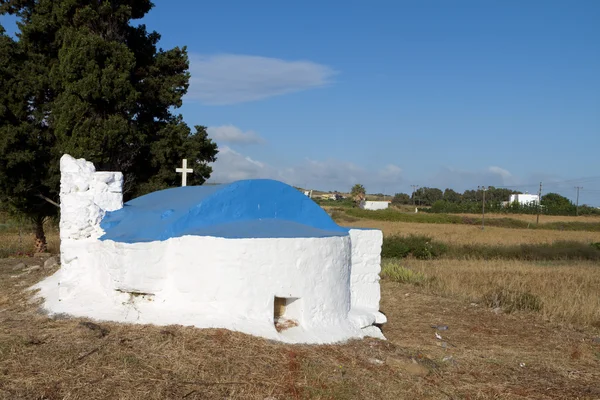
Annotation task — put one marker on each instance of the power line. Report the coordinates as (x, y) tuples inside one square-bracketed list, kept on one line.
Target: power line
[(413, 193), (554, 183), (539, 205), (482, 207)]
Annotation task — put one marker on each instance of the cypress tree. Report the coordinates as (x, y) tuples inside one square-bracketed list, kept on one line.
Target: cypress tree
[(82, 79)]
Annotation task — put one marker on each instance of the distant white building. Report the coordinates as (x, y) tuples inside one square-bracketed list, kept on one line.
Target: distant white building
[(374, 205), (524, 199)]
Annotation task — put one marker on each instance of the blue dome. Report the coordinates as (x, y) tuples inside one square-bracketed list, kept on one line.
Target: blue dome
[(256, 208)]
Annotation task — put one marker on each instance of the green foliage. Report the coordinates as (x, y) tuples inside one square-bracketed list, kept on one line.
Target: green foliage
[(512, 300), (390, 269), (555, 200), (83, 80), (471, 203), (555, 204), (451, 196), (394, 247), (358, 190), (400, 198), (427, 196), (343, 203), (418, 246), (595, 245)]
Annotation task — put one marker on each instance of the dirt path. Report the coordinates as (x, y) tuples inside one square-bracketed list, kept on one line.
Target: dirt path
[(487, 356)]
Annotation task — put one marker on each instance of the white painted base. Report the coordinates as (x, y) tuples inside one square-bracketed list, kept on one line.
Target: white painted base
[(211, 282)]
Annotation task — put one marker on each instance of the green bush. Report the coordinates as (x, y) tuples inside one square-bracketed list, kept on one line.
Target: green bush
[(395, 272), (394, 247), (419, 246)]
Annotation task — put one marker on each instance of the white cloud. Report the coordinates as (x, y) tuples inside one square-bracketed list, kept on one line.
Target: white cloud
[(391, 171), (232, 166), (461, 180), (316, 174), (500, 171), (233, 78), (233, 134)]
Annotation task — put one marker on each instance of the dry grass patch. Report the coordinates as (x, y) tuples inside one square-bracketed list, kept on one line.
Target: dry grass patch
[(532, 218), (43, 358), (12, 243), (565, 292), (466, 234)]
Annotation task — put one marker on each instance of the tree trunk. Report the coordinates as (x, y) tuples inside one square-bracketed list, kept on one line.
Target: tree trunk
[(41, 246)]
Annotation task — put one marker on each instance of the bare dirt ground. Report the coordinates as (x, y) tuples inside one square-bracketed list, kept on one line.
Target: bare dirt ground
[(482, 355)]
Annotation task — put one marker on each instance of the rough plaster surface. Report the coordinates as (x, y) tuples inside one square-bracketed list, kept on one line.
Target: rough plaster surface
[(85, 197), (208, 280)]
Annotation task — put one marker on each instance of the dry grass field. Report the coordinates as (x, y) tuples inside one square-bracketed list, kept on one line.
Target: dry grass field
[(516, 330), (471, 234), (560, 291), (543, 218), (482, 355)]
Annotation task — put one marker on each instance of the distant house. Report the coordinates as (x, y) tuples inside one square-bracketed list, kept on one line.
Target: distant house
[(374, 205), (524, 199), (332, 196)]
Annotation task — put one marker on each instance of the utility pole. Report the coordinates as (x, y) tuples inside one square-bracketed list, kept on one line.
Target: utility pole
[(413, 193), (539, 205), (577, 206), (483, 188)]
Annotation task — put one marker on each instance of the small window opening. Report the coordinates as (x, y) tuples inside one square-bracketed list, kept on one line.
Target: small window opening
[(286, 312)]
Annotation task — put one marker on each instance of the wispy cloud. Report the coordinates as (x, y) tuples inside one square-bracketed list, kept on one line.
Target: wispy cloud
[(317, 174), (460, 180), (334, 174), (232, 166), (233, 134), (233, 78), (500, 171)]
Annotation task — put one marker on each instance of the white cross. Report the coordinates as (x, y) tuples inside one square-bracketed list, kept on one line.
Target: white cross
[(184, 170)]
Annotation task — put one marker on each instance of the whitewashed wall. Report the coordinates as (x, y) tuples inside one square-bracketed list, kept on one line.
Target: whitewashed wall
[(374, 205), (209, 282)]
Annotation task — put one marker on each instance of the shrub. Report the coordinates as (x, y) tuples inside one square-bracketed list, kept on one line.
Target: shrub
[(395, 272), (394, 247), (512, 300), (419, 246)]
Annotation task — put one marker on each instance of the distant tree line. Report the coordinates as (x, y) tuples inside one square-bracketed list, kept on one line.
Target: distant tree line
[(470, 201)]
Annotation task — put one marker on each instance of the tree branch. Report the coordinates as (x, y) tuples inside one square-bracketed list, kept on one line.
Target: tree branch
[(48, 200)]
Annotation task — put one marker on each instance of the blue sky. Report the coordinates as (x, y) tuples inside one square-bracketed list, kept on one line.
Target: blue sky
[(387, 93)]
